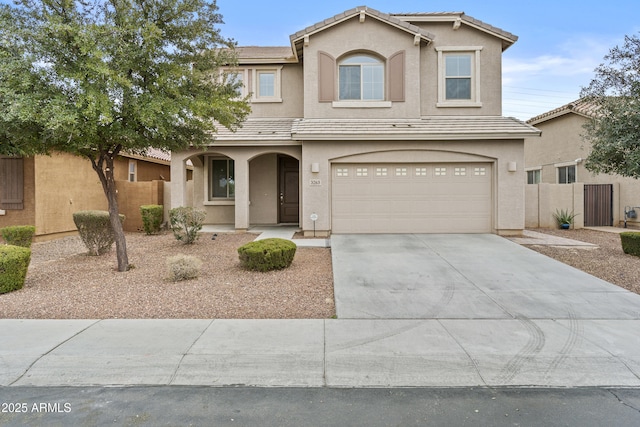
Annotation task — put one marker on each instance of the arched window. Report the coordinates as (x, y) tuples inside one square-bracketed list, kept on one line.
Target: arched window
[(361, 77)]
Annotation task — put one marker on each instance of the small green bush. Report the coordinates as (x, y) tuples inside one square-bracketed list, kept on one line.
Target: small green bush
[(186, 222), (18, 235), (630, 242), (563, 216), (95, 230), (14, 262), (183, 267), (152, 216), (267, 254)]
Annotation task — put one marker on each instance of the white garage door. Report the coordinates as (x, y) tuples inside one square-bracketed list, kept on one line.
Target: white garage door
[(411, 198)]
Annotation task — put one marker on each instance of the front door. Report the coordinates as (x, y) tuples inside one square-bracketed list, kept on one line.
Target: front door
[(288, 192)]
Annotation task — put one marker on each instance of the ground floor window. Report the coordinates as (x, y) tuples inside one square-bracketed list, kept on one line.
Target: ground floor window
[(533, 177), (567, 174), (222, 179)]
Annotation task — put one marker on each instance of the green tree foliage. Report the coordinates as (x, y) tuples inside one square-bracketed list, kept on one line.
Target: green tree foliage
[(99, 77), (614, 131)]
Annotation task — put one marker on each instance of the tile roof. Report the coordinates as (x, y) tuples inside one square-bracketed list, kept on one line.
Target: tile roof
[(256, 131), (271, 54), (460, 17), (431, 128), (348, 14), (580, 106)]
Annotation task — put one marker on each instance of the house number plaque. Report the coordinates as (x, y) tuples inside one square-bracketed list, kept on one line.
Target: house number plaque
[(315, 182)]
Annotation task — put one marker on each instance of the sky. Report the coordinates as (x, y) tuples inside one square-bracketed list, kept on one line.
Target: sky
[(560, 42)]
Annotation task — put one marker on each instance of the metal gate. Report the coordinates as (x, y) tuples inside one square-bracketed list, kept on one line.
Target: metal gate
[(598, 205)]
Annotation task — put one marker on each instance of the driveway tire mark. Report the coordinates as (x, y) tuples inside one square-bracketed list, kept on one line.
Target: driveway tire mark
[(379, 337), (575, 334), (533, 346)]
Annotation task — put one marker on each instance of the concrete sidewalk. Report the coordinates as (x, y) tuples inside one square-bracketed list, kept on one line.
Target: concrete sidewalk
[(319, 353)]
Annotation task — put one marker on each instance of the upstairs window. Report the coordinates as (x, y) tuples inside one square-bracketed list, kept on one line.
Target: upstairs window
[(361, 78), (459, 76)]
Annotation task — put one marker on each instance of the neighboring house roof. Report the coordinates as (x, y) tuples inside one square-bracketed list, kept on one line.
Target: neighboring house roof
[(153, 155), (255, 131), (362, 12), (458, 18), (580, 107), (265, 54)]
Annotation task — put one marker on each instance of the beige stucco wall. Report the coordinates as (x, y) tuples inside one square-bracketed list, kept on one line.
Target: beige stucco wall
[(64, 184), (263, 190), (490, 69), (561, 142), (543, 200), (292, 95), (350, 37), (508, 190)]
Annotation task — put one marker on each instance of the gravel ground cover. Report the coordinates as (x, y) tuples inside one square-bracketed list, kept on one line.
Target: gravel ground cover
[(607, 261), (63, 282)]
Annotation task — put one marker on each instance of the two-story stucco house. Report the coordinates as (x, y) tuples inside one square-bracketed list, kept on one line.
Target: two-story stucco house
[(369, 123)]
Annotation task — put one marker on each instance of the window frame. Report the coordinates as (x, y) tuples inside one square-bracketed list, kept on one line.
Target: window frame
[(256, 96), (536, 174), (474, 54), (567, 176), (132, 172), (210, 199), (242, 72), (377, 63)]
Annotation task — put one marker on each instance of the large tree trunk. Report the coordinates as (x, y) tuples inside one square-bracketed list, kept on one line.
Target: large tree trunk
[(108, 181)]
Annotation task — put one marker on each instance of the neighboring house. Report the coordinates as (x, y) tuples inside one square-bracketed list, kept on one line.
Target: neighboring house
[(45, 191), (368, 123), (557, 157)]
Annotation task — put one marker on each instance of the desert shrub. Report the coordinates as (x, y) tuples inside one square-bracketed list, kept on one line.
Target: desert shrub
[(563, 216), (267, 254), (183, 267), (95, 230), (186, 222), (151, 218), (18, 235), (630, 242), (14, 262)]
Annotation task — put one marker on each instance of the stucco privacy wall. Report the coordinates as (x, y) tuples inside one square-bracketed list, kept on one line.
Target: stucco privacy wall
[(64, 184), (543, 200), (508, 194), (132, 195)]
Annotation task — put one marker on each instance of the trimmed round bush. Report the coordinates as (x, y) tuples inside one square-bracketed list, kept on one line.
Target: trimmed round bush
[(630, 242), (152, 216), (18, 235), (95, 230), (14, 262), (267, 254), (183, 267)]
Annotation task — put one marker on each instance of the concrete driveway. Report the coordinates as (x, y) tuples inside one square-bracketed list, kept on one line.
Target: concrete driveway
[(472, 276)]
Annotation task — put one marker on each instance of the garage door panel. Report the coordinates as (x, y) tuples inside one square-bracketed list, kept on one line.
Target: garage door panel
[(411, 198)]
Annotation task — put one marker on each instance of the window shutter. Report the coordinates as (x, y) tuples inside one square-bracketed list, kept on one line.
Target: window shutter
[(11, 183), (396, 77), (326, 77)]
